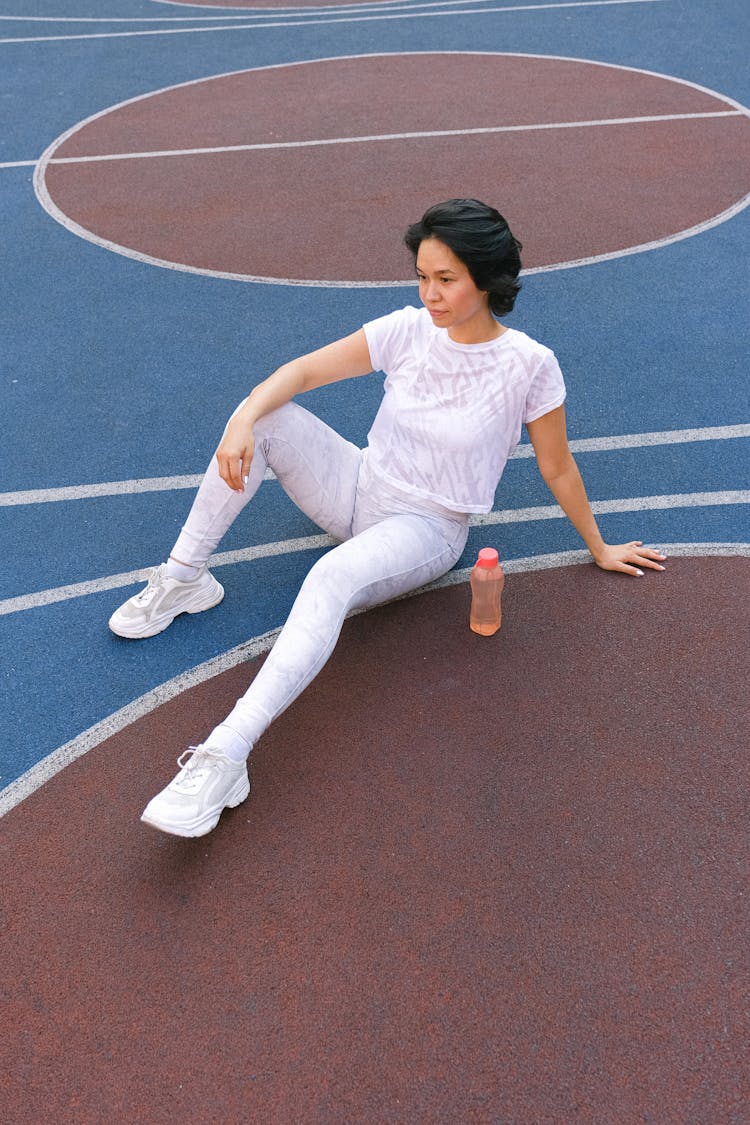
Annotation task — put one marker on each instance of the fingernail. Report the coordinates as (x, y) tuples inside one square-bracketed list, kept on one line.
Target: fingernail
[(639, 573)]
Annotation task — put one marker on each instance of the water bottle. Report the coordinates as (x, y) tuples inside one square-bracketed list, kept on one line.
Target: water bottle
[(487, 581)]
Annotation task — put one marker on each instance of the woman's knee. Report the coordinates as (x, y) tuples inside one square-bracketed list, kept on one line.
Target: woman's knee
[(360, 572), (280, 422), (328, 582)]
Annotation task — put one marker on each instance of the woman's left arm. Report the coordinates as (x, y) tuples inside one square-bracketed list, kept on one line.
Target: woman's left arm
[(556, 464)]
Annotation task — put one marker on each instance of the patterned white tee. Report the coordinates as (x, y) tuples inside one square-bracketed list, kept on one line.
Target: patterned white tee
[(452, 412)]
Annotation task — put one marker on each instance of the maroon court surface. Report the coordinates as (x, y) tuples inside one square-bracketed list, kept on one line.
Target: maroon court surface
[(253, 161), (477, 880)]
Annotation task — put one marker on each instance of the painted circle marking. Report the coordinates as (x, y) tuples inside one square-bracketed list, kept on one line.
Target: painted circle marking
[(292, 173)]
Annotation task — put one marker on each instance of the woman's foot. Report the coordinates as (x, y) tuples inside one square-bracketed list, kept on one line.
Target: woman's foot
[(208, 783), (163, 599)]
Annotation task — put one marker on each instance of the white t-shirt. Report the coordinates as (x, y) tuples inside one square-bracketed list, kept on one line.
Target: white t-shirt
[(452, 412)]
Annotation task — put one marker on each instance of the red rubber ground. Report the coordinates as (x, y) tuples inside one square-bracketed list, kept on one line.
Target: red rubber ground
[(478, 880), (571, 193)]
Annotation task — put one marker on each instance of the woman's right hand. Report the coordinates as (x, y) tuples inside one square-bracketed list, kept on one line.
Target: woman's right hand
[(235, 451), (343, 359)]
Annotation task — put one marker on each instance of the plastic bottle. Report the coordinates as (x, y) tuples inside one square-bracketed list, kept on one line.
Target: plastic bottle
[(487, 581)]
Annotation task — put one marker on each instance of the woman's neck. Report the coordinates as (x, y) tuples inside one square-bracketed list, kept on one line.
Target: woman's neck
[(480, 333)]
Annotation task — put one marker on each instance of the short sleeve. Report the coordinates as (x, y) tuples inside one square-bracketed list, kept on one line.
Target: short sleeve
[(547, 389), (390, 338)]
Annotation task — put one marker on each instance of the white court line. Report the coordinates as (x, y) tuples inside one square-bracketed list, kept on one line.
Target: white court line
[(107, 488), (59, 216), (339, 9), (276, 22), (139, 19), (248, 13), (421, 135), (641, 441), (609, 507), (64, 755), (132, 577), (46, 201), (278, 13), (169, 484), (24, 602), (375, 137)]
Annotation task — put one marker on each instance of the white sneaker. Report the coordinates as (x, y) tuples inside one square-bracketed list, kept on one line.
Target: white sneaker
[(208, 783), (164, 598)]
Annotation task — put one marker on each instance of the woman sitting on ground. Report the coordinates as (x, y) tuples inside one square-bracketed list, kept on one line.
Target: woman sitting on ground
[(459, 385)]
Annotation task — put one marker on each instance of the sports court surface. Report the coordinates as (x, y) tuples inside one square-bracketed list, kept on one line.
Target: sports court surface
[(477, 880)]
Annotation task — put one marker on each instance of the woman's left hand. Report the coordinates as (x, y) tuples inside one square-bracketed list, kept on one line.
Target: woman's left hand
[(628, 558)]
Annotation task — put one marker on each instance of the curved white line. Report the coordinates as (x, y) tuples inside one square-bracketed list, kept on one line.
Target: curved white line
[(56, 213), (642, 441), (130, 578), (391, 5), (523, 451), (281, 21), (611, 507), (116, 488), (255, 13), (64, 755), (145, 19), (37, 775), (374, 138), (93, 491), (326, 9), (24, 602)]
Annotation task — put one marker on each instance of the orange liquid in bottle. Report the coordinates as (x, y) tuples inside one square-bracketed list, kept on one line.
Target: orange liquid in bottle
[(487, 581)]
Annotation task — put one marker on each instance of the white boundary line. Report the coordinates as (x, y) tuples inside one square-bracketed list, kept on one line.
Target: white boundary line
[(64, 755), (641, 441), (333, 18), (115, 581), (524, 450), (255, 13), (46, 201), (149, 19), (158, 154), (325, 142), (115, 488), (24, 602), (353, 6), (246, 13), (93, 491)]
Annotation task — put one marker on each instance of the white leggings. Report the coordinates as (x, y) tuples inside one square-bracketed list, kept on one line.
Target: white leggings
[(391, 544)]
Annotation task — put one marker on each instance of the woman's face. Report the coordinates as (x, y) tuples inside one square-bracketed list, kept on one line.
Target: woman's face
[(448, 292)]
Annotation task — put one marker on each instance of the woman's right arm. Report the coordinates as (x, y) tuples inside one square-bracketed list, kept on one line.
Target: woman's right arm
[(344, 359)]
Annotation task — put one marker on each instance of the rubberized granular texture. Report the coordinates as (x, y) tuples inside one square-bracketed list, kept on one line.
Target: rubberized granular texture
[(477, 880)]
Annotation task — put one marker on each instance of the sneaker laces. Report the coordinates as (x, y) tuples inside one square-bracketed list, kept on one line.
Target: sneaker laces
[(194, 763), (147, 595), (192, 759)]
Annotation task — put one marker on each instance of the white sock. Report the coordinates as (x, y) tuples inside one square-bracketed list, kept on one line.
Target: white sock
[(181, 571), (229, 742)]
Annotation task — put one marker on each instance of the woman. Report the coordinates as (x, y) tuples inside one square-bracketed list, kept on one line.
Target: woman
[(458, 387)]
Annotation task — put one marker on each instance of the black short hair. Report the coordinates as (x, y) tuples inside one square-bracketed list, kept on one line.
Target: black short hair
[(482, 239)]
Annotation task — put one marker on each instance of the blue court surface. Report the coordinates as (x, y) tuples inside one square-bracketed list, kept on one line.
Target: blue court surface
[(117, 374), (473, 884)]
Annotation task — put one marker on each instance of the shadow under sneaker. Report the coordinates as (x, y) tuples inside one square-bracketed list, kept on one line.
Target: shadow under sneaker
[(163, 599), (208, 783)]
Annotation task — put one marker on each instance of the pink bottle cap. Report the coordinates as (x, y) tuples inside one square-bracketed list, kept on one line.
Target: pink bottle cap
[(487, 557)]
